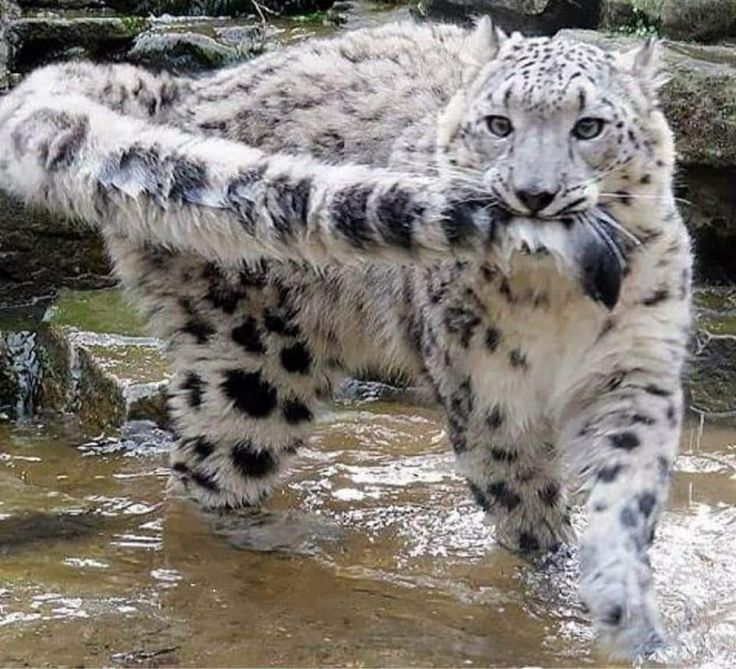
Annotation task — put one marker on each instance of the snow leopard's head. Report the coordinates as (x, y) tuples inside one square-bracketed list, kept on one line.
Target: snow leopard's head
[(557, 127)]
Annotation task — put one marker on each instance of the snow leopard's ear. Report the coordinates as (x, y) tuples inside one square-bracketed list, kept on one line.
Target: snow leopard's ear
[(643, 63), (483, 44)]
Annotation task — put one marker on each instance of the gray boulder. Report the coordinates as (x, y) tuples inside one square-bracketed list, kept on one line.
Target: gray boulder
[(38, 40), (8, 12), (215, 7), (699, 20), (187, 51), (533, 17)]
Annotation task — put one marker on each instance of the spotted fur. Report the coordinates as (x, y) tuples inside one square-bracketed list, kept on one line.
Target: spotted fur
[(465, 257)]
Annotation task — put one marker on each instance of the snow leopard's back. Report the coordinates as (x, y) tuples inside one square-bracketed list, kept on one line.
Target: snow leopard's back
[(349, 98)]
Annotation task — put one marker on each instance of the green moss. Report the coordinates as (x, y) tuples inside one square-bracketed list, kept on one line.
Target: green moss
[(101, 311), (714, 298), (718, 325), (639, 25), (133, 363), (716, 309), (311, 17), (134, 25)]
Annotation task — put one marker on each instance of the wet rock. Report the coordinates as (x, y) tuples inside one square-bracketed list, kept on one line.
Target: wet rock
[(21, 531), (215, 7), (251, 38), (533, 17), (61, 5), (148, 401), (358, 390), (699, 20), (47, 366), (99, 403), (17, 326), (57, 383), (20, 373), (9, 390), (41, 40), (117, 378), (339, 12), (8, 12), (712, 377), (192, 51), (39, 253)]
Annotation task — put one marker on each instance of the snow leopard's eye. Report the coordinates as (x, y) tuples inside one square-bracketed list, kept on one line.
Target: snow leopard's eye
[(499, 126), (588, 128)]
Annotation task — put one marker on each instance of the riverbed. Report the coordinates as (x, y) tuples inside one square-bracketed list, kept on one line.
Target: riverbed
[(372, 554)]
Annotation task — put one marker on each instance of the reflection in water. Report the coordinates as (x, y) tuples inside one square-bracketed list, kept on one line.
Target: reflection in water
[(372, 554)]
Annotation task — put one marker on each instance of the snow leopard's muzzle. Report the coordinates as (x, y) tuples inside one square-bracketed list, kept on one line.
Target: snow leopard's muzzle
[(589, 244)]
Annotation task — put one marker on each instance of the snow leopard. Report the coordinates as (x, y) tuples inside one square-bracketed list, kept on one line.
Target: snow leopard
[(490, 215)]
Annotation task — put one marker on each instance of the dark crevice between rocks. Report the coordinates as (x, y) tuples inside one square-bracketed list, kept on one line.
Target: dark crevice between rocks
[(709, 209)]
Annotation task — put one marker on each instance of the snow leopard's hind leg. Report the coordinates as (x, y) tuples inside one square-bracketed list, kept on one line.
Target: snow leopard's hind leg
[(245, 375)]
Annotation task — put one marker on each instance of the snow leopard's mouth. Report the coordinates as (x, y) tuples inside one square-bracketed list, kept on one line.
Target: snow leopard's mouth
[(591, 244)]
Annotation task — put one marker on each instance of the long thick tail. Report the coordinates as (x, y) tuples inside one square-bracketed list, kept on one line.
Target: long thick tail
[(74, 156)]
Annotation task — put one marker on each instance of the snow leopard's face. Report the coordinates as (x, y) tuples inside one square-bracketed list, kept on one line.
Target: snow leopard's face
[(556, 127)]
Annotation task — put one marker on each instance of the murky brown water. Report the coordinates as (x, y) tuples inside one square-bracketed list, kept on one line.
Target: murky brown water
[(382, 560)]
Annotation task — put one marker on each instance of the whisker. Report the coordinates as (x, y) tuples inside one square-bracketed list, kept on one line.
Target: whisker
[(597, 227), (609, 220)]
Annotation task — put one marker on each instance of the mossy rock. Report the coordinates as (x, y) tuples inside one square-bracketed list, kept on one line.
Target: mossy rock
[(215, 7), (697, 20), (57, 383), (39, 40), (187, 51), (98, 311), (532, 17), (99, 404), (8, 384), (41, 252), (712, 374)]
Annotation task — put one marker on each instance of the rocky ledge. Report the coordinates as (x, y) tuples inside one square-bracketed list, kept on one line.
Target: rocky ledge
[(691, 20)]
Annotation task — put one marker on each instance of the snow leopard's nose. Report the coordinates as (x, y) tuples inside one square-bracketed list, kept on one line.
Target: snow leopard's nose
[(535, 200)]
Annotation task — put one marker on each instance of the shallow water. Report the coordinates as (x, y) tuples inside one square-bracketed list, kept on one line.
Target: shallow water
[(373, 554)]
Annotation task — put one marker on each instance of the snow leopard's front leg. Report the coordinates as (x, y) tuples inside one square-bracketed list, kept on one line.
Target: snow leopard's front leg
[(514, 477), (620, 435)]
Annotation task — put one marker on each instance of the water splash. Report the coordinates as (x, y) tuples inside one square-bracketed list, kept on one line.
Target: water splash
[(23, 364)]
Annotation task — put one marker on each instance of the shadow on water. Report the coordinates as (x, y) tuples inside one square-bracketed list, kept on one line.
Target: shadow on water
[(371, 554)]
